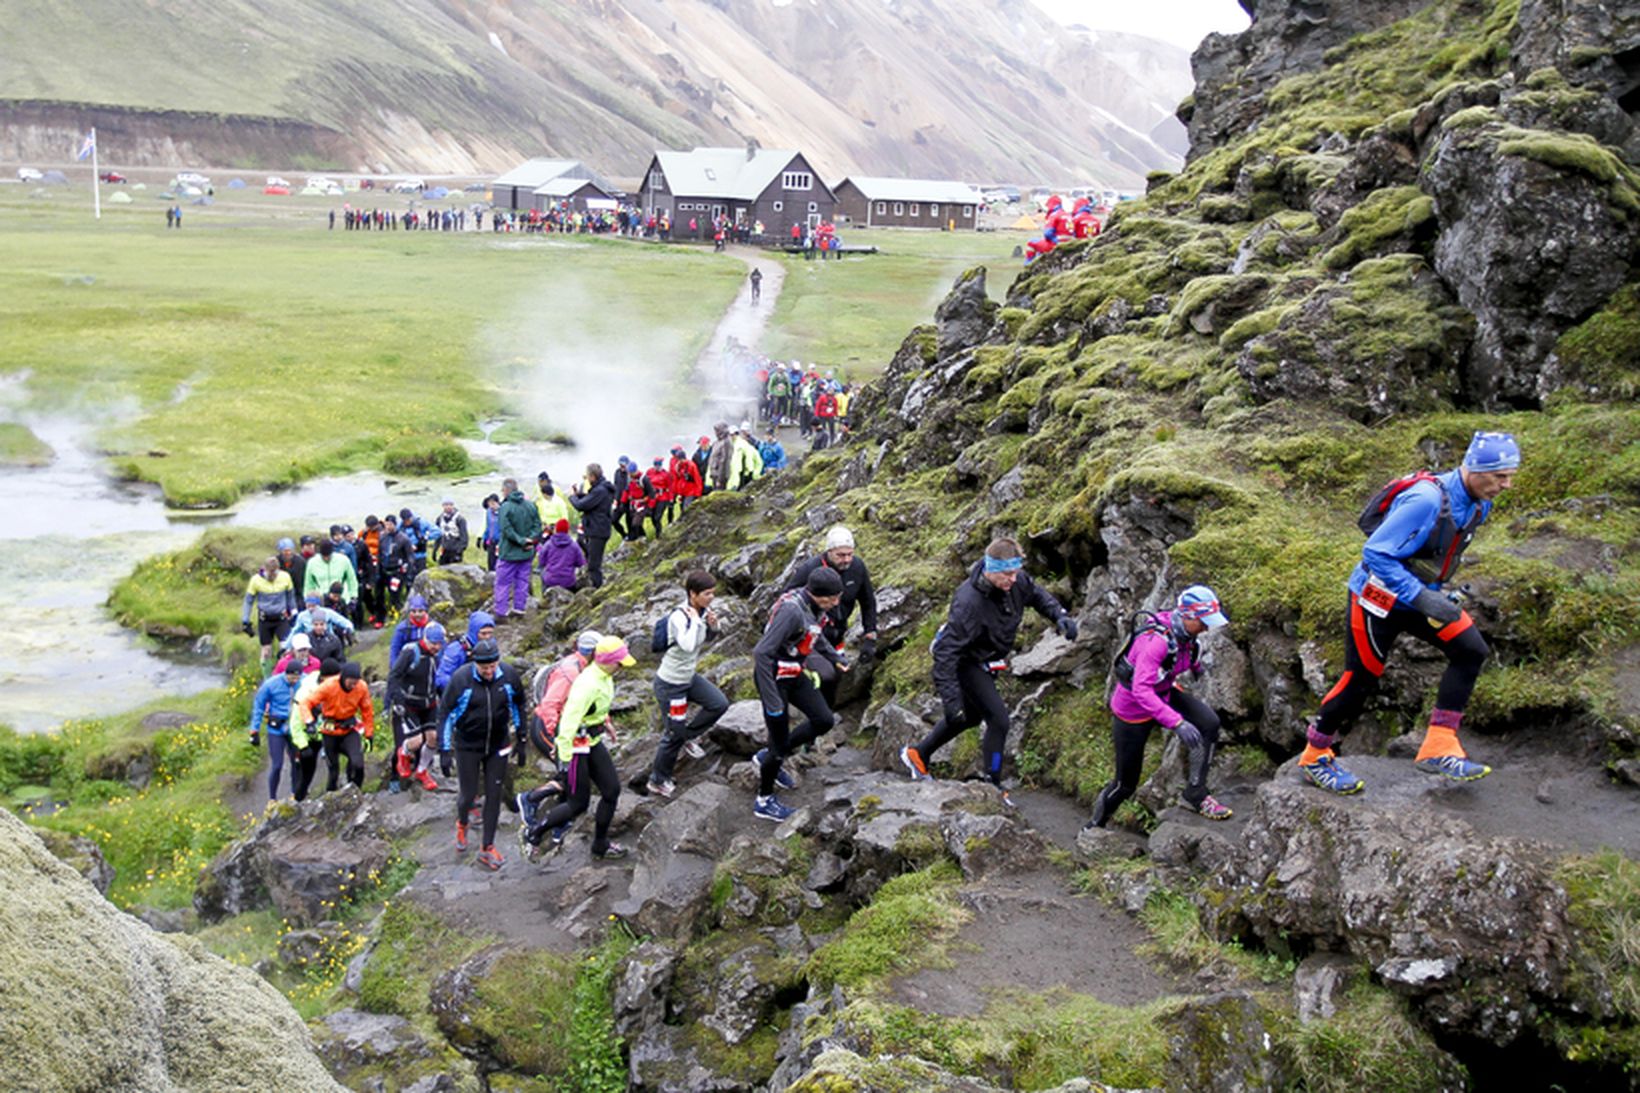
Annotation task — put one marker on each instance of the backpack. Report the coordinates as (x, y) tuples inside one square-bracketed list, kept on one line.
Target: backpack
[(661, 640), (1378, 505), (1122, 667)]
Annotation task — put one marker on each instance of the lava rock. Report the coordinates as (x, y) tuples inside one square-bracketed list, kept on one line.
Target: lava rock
[(676, 858)]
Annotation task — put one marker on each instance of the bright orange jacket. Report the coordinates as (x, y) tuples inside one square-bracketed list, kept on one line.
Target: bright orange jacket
[(339, 705)]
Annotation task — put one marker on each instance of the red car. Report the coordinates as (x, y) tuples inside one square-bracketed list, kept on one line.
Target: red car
[(111, 176)]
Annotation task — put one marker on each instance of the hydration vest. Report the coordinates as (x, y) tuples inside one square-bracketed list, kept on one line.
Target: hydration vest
[(1442, 550), (1143, 622)]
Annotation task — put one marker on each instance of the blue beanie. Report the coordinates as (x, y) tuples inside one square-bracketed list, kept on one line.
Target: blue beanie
[(1491, 452), (433, 634)]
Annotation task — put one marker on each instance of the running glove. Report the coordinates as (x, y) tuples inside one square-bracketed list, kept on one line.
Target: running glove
[(256, 738), (246, 627), (369, 744), (1436, 606), (868, 648), (1067, 626), (1189, 735), (446, 763)]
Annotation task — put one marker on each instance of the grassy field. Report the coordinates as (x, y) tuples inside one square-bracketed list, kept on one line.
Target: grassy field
[(254, 347), (853, 314)]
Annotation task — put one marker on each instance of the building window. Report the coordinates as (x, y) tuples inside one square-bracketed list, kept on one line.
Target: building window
[(813, 208), (968, 212), (882, 208), (899, 208), (796, 180), (778, 206), (657, 179), (914, 209), (933, 210)]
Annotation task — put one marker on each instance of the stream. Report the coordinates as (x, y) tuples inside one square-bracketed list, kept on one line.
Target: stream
[(75, 531)]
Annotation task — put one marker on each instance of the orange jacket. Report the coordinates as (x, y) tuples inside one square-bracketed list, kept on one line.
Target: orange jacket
[(339, 705)]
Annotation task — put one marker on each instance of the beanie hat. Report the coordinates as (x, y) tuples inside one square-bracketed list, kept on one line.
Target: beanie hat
[(824, 582), (418, 602), (839, 536), (1492, 452), (405, 514), (562, 526), (434, 634), (486, 652), (330, 666), (587, 643), (351, 670), (285, 544)]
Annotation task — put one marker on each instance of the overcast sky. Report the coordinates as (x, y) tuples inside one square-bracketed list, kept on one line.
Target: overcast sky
[(1182, 22)]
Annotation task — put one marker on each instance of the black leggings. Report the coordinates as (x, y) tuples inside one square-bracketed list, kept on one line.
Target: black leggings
[(595, 560), (586, 770), (304, 762), (348, 744), (1130, 737), (980, 702), (1367, 648), (473, 767), (801, 692)]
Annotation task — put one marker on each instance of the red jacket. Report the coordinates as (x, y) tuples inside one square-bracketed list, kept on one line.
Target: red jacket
[(660, 480), (686, 477), (826, 405), (635, 494)]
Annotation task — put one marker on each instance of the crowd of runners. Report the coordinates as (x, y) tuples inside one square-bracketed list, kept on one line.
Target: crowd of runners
[(456, 704)]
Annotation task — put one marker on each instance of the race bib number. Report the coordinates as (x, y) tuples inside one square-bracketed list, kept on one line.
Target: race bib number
[(678, 709), (1376, 599), (581, 744), (996, 667), (787, 669)]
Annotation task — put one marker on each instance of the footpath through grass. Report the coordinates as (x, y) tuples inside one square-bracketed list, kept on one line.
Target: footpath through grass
[(246, 350), (853, 314)]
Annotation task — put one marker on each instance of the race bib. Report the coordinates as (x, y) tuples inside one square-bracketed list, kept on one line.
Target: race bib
[(678, 709), (1376, 599), (787, 669), (581, 744), (996, 667)]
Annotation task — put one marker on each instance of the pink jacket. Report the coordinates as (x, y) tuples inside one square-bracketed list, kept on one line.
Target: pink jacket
[(1147, 700)]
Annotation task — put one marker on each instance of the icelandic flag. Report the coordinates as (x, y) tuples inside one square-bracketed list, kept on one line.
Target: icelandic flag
[(88, 145)]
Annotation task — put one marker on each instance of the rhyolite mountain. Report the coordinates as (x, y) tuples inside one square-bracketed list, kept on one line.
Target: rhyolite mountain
[(965, 89)]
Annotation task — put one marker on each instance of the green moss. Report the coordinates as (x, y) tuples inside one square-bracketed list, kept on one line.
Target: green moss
[(920, 844), (411, 947), (894, 932), (1399, 213), (1471, 117), (1179, 938), (1601, 355), (1248, 327), (1371, 1043), (1578, 153)]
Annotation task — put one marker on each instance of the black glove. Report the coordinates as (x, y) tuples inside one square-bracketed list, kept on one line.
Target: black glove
[(246, 627), (1189, 735), (1436, 606), (311, 751), (446, 763), (256, 738), (522, 750), (868, 648), (1067, 626)]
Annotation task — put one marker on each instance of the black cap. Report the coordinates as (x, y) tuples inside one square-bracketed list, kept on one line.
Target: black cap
[(330, 666), (371, 521), (351, 670), (347, 529), (824, 582), (307, 540), (486, 652), (543, 477), (294, 666), (405, 514), (337, 529)]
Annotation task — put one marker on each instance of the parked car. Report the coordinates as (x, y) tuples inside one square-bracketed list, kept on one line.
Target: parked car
[(29, 174), (277, 191), (275, 180), (409, 186), (111, 176), (193, 178)]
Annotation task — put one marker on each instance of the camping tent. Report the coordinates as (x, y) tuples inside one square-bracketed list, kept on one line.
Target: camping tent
[(436, 193), (1025, 223), (54, 178), (119, 198), (237, 184)]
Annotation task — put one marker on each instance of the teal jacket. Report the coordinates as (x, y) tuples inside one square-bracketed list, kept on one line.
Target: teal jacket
[(520, 527)]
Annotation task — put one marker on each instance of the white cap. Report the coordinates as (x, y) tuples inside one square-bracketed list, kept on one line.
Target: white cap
[(839, 536), (745, 426), (300, 641)]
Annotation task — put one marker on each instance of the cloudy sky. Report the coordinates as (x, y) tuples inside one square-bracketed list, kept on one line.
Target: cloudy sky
[(1182, 22)]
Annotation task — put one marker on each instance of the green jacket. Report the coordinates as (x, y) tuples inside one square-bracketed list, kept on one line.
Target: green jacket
[(320, 575), (520, 524), (581, 725), (744, 463)]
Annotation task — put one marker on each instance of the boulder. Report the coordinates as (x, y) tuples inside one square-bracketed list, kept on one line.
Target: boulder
[(1317, 984), (965, 316), (744, 985), (740, 730), (80, 854), (1474, 927), (662, 1060), (1222, 1044), (303, 860), (895, 727), (350, 1038), (676, 859), (642, 986), (455, 590), (839, 1069), (97, 1000)]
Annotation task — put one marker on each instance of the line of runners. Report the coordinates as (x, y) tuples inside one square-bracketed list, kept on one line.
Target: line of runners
[(458, 703)]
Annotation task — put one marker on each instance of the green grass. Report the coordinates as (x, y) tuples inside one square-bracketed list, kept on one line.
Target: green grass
[(1180, 939), (304, 351), (900, 928), (1370, 1043), (19, 447), (196, 591), (853, 314)]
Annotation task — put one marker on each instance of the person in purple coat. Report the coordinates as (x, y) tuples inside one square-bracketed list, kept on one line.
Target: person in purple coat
[(559, 557), (1161, 650)]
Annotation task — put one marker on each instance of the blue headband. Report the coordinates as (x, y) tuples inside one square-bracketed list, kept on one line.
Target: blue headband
[(1003, 565)]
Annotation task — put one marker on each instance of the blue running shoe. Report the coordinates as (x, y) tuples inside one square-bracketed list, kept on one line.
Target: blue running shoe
[(1326, 773), (526, 812), (770, 808), (1455, 767), (784, 779)]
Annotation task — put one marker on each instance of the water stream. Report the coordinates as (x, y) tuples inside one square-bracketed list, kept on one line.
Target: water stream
[(73, 532)]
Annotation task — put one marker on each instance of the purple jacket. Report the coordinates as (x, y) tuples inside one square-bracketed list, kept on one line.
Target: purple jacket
[(1147, 701), (559, 557)]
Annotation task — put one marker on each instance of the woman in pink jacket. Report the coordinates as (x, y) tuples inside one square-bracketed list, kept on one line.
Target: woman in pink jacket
[(1147, 694)]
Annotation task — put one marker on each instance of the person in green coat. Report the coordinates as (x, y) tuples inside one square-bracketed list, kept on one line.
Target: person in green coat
[(520, 532), (330, 566)]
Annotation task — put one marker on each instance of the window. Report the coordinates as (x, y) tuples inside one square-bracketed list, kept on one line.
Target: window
[(657, 179), (813, 208), (968, 212), (899, 208), (933, 210), (796, 180), (914, 208), (882, 208), (778, 206)]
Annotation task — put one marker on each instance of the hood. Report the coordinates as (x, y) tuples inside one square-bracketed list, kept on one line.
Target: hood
[(477, 621), (516, 495)]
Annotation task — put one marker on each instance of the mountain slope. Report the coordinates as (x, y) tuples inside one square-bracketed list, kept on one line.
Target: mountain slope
[(908, 87)]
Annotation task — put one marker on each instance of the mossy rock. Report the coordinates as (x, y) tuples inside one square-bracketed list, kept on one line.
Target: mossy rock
[(424, 455)]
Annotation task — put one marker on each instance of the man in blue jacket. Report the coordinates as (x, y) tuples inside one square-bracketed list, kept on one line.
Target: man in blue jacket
[(271, 707), (1397, 589)]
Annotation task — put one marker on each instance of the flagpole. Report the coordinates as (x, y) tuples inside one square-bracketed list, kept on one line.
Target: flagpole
[(96, 184)]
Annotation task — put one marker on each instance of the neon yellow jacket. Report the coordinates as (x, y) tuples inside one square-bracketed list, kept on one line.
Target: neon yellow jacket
[(581, 725)]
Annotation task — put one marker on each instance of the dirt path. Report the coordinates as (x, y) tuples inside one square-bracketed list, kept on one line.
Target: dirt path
[(745, 320)]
